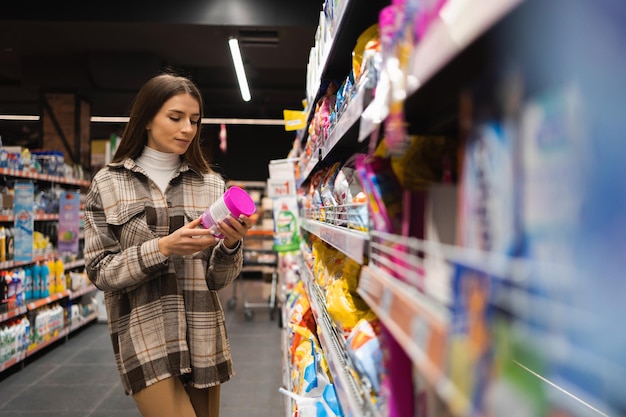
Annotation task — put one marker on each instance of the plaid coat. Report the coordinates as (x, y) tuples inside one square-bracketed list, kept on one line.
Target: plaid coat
[(164, 315)]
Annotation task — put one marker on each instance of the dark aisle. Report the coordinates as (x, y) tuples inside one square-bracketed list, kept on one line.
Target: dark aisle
[(78, 378)]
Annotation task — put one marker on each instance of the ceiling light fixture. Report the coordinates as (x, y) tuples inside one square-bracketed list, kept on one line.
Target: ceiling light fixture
[(233, 43), (204, 121), (124, 119), (18, 117)]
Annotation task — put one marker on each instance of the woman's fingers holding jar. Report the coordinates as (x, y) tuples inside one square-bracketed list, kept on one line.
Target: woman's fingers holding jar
[(187, 240), (234, 229)]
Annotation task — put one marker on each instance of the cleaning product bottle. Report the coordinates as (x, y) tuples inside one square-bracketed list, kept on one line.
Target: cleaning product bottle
[(51, 277), (26, 337), (59, 269), (36, 280), (28, 283), (43, 283)]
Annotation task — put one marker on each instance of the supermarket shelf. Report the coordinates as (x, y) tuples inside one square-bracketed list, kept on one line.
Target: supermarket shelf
[(352, 19), (520, 271), (351, 242), (458, 25), (260, 232), (336, 59), (316, 92), (43, 177), (308, 169), (39, 217), (60, 334), (41, 258), (355, 402), (286, 360), (342, 140), (33, 305), (74, 264), (419, 325), (347, 121), (14, 264), (12, 362), (15, 312), (82, 322), (38, 347), (79, 293)]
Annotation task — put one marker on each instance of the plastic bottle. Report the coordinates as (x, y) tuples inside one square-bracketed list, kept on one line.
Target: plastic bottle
[(51, 277), (26, 335), (36, 280), (235, 202), (3, 350), (4, 286), (43, 283), (28, 283), (59, 270)]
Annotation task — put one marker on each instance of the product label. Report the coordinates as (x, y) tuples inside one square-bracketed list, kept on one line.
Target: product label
[(218, 210), (286, 233)]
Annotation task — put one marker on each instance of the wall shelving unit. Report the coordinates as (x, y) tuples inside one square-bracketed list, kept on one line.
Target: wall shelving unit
[(412, 293), (30, 306)]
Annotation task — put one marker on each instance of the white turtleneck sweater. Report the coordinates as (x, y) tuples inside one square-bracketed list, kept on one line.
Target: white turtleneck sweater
[(159, 166)]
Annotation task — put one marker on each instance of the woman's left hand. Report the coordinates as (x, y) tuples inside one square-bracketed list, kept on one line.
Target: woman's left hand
[(234, 229)]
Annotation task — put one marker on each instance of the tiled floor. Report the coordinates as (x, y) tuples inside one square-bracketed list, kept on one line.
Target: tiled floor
[(78, 378)]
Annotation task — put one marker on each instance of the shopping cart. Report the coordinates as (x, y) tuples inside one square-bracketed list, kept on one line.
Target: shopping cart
[(260, 261)]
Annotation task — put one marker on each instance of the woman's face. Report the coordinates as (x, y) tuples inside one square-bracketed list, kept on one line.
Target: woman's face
[(175, 125)]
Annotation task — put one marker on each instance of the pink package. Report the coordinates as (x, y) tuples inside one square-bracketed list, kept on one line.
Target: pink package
[(384, 192), (429, 12)]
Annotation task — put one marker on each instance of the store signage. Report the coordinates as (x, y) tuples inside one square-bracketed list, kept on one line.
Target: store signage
[(69, 224), (23, 209)]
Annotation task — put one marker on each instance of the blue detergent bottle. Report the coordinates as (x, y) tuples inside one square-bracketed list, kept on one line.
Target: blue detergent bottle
[(43, 283), (36, 275), (28, 283)]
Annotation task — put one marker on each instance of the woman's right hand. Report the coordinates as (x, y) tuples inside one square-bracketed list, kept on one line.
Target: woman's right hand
[(187, 240)]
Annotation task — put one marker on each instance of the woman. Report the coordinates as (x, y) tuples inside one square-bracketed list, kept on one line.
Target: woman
[(159, 269)]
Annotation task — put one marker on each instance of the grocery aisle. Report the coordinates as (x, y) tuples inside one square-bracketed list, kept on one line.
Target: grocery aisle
[(78, 378)]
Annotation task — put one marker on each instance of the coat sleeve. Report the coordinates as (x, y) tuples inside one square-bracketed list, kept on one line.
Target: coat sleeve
[(109, 267), (224, 267)]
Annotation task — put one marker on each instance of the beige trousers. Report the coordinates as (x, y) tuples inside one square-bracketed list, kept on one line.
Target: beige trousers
[(169, 398)]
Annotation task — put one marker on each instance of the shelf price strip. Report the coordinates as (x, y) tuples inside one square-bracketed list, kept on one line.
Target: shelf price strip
[(420, 329)]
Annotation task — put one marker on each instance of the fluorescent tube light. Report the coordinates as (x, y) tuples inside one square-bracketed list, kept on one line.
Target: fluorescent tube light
[(18, 117), (204, 121), (263, 122), (233, 43), (109, 119), (122, 119)]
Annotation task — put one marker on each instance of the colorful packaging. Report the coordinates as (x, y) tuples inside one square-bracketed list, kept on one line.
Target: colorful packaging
[(383, 190), (350, 197), (488, 200)]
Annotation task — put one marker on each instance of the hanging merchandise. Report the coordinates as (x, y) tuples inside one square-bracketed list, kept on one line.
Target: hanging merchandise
[(223, 144)]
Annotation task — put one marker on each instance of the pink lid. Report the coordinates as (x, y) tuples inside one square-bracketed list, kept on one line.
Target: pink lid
[(239, 202)]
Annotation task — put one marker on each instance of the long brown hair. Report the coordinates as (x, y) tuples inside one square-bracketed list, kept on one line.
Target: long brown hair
[(146, 105)]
